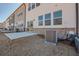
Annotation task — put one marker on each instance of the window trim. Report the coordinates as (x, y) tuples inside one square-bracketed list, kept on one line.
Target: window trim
[(20, 14), (48, 19), (40, 20), (30, 6), (57, 17), (37, 5), (33, 6)]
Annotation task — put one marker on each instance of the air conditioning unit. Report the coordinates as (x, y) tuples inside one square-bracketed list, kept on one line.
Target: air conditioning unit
[(51, 36)]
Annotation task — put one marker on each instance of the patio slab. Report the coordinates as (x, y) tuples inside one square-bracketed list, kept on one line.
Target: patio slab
[(19, 35)]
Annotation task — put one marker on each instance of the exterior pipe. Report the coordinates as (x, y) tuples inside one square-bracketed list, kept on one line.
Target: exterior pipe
[(77, 19), (25, 19)]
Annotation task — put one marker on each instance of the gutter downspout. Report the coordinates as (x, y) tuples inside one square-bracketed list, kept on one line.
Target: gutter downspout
[(13, 22), (77, 19), (25, 18)]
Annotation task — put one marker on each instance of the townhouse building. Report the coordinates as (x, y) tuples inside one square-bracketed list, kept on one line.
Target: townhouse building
[(17, 20), (20, 18), (7, 24), (11, 22), (59, 17), (1, 25), (39, 17)]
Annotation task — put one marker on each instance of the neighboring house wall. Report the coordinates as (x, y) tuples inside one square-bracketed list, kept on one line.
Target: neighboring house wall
[(7, 24), (1, 25), (68, 16), (20, 17), (11, 22)]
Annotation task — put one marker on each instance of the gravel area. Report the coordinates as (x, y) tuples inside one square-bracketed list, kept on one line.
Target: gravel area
[(4, 45), (33, 46)]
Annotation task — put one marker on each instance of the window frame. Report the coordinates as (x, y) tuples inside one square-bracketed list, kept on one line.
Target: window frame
[(21, 13), (37, 4), (33, 5), (29, 6), (40, 20), (55, 18), (49, 19)]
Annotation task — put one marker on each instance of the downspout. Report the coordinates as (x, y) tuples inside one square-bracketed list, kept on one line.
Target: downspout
[(25, 18), (77, 19), (13, 22)]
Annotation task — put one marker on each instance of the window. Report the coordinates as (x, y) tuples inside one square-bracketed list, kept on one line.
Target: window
[(57, 17), (40, 20), (19, 14), (29, 7), (33, 5), (30, 24), (48, 19), (37, 4)]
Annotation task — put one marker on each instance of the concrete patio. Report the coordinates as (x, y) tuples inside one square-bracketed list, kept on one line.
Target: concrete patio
[(19, 35)]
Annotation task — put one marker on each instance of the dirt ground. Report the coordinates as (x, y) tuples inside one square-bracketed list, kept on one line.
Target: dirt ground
[(33, 46)]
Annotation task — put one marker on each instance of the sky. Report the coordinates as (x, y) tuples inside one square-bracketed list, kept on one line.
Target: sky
[(6, 9)]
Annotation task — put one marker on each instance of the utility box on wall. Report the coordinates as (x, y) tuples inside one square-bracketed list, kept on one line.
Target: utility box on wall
[(51, 36)]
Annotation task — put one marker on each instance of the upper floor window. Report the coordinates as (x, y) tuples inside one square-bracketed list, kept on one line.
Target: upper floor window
[(48, 19), (40, 20), (37, 4), (29, 7), (33, 5), (57, 15), (19, 14)]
